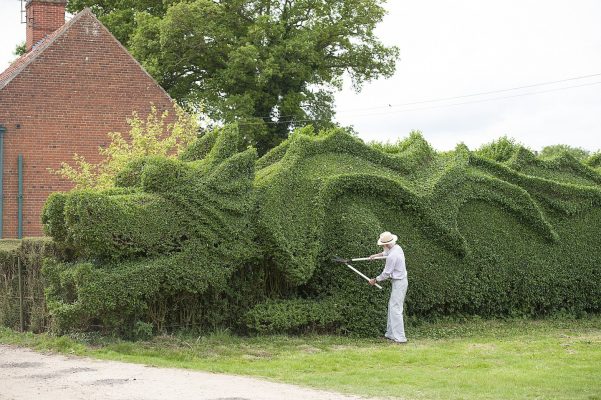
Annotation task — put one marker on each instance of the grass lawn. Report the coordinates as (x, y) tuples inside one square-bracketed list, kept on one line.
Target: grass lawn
[(516, 359)]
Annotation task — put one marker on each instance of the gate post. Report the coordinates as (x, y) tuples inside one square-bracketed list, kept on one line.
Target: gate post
[(21, 319)]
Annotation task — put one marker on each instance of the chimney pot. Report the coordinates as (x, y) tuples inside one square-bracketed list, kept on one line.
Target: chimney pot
[(43, 18)]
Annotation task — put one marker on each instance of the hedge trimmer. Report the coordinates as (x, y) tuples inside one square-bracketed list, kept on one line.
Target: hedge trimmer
[(346, 262)]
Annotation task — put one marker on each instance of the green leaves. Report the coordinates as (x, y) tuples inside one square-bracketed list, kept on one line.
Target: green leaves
[(178, 230), (151, 136), (480, 237), (293, 316), (200, 242)]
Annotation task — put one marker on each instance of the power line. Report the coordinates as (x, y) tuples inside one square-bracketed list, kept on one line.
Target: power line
[(475, 94), (288, 117), (484, 100), (439, 105)]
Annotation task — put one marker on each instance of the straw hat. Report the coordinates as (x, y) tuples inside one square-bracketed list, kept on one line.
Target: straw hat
[(387, 238)]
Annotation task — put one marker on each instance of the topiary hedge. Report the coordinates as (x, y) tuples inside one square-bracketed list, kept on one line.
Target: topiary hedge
[(167, 243), (222, 240)]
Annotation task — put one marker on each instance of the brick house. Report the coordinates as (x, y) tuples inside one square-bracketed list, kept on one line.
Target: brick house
[(75, 84)]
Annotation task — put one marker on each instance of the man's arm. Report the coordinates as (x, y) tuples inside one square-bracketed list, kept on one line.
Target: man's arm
[(388, 268), (373, 281)]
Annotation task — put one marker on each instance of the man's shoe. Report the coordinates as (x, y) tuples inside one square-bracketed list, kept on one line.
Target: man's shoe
[(395, 341)]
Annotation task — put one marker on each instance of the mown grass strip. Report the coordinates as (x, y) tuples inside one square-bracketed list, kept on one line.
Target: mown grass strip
[(472, 360)]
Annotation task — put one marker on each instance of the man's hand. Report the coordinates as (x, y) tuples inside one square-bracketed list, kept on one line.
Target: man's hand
[(372, 281), (373, 256)]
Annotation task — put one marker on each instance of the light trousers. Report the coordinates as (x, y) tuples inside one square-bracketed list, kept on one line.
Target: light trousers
[(395, 328)]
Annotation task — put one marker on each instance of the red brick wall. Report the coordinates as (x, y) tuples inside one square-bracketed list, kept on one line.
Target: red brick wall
[(43, 18), (80, 88)]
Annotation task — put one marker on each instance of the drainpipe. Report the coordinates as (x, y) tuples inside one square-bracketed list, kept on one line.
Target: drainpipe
[(20, 198), (2, 130)]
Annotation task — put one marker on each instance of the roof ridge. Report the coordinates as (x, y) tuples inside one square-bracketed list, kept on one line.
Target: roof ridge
[(138, 63), (25, 60)]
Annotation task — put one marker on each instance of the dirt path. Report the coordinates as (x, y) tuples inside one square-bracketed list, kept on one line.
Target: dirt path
[(27, 375)]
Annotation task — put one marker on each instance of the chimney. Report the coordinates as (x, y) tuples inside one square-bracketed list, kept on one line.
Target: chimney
[(43, 18)]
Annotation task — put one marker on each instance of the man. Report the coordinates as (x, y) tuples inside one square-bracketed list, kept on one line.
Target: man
[(396, 271)]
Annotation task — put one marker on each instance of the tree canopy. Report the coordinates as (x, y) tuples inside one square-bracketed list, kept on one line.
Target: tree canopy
[(271, 65)]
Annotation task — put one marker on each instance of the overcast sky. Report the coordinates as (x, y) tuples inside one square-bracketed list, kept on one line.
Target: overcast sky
[(458, 48)]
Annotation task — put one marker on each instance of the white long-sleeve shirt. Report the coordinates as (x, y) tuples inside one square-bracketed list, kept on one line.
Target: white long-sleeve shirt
[(395, 264)]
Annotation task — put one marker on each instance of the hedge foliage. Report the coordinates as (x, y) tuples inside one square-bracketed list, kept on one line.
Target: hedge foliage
[(168, 241), (30, 252), (219, 239)]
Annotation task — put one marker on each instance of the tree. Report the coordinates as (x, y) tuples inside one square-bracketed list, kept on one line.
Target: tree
[(271, 65), (20, 49), (119, 15)]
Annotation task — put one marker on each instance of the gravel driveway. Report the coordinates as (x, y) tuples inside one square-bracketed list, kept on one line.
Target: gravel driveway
[(27, 375)]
